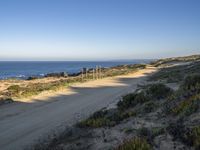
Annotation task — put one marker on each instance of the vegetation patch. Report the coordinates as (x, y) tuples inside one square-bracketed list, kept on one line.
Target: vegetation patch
[(165, 61), (34, 89), (192, 83), (149, 93), (122, 70), (158, 91), (135, 144), (176, 73), (186, 100), (193, 137), (150, 133), (112, 117), (189, 136), (14, 90), (131, 100), (149, 107), (105, 118), (187, 106)]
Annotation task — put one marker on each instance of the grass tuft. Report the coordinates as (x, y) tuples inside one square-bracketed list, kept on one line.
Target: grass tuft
[(105, 118), (135, 144)]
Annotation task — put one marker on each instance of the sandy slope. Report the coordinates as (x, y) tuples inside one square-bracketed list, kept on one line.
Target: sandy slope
[(23, 122)]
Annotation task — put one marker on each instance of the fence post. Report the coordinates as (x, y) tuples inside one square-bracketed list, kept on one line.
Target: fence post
[(93, 74), (82, 74), (86, 74), (96, 72), (100, 72)]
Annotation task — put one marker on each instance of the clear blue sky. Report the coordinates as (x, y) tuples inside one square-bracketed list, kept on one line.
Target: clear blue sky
[(98, 29)]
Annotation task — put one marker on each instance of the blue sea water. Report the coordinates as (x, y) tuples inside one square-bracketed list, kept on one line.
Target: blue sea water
[(24, 69)]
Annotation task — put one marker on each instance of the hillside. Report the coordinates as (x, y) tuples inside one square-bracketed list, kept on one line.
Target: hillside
[(163, 113)]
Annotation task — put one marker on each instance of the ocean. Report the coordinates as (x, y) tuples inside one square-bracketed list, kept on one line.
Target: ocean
[(25, 69)]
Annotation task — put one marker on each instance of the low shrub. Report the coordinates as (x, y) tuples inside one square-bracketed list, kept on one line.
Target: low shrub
[(186, 106), (128, 130), (189, 136), (150, 92), (34, 89), (149, 107), (186, 100), (158, 91), (120, 116), (105, 118), (135, 144), (157, 131), (191, 82), (14, 90), (131, 100), (98, 119), (193, 137), (177, 129), (96, 123), (150, 134), (144, 132)]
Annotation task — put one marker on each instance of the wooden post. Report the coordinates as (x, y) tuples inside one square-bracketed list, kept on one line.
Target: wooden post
[(93, 74), (82, 75), (96, 72), (86, 74), (100, 72)]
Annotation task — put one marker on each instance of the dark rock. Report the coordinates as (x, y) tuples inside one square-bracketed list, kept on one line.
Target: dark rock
[(60, 74)]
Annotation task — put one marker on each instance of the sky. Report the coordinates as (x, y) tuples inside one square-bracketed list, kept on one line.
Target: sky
[(98, 29)]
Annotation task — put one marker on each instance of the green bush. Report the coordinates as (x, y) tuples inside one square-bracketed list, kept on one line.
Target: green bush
[(105, 118), (95, 123), (191, 82), (189, 136), (194, 137), (186, 100), (131, 100), (158, 91), (149, 107), (186, 106), (120, 116), (135, 144), (150, 92)]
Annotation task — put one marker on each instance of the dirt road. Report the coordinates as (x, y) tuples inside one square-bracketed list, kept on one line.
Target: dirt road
[(23, 123)]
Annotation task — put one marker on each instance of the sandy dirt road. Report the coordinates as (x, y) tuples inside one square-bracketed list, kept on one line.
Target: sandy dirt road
[(23, 123)]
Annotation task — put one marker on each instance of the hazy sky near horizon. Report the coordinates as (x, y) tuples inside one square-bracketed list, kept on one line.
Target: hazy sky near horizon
[(98, 29)]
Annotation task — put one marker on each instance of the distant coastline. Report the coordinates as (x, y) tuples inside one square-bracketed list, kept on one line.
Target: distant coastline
[(26, 69)]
